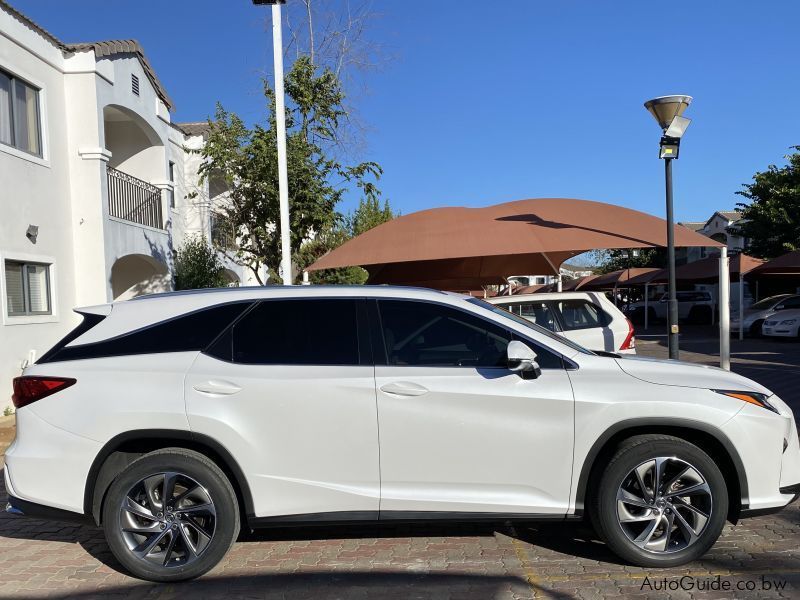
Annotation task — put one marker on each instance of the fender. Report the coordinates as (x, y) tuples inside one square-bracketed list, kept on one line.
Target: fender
[(91, 502), (659, 423)]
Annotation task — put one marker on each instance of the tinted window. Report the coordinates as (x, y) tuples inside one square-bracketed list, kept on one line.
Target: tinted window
[(294, 332), (539, 312), (791, 303), (581, 314), (190, 332), (426, 334)]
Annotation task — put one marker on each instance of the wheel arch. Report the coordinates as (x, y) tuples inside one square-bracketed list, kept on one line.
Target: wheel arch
[(710, 439), (124, 448)]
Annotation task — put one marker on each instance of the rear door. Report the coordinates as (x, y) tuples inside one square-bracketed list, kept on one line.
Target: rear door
[(289, 391), (585, 323)]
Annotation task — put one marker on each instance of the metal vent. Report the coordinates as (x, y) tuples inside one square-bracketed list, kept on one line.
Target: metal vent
[(134, 84)]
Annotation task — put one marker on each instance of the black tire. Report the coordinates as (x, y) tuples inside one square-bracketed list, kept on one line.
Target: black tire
[(755, 328), (192, 467), (637, 451)]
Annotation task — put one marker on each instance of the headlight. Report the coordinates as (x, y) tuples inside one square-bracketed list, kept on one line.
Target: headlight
[(789, 322), (751, 397)]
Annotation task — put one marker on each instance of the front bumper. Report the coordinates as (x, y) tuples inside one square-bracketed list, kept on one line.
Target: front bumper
[(779, 331)]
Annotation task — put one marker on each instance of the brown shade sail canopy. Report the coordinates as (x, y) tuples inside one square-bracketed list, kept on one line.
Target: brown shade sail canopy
[(613, 279), (464, 248), (704, 270), (786, 264)]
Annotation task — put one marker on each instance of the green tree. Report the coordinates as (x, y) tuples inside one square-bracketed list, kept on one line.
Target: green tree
[(246, 159), (197, 265), (367, 215), (771, 220), (614, 260)]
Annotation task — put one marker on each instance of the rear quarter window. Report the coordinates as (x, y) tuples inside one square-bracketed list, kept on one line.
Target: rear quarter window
[(191, 332)]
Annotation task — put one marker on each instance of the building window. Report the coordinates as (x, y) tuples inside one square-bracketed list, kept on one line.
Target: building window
[(19, 115), (27, 289), (172, 180)]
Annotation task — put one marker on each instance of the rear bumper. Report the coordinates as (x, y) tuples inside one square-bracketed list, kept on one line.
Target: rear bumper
[(24, 508)]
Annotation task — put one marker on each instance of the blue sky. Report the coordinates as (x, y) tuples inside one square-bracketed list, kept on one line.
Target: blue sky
[(485, 102)]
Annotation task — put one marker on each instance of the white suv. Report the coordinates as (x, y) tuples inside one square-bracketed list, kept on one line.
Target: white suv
[(587, 318), (175, 420)]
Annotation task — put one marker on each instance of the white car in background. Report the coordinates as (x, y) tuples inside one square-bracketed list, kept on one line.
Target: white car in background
[(756, 314), (694, 306), (587, 318), (785, 323)]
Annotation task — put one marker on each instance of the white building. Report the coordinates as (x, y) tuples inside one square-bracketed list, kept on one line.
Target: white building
[(719, 227), (94, 187)]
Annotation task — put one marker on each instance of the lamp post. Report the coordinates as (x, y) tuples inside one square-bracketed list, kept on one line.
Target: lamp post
[(280, 125), (667, 111)]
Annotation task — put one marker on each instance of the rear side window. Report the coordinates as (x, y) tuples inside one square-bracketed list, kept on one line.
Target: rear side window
[(539, 312), (581, 314), (294, 332), (191, 332)]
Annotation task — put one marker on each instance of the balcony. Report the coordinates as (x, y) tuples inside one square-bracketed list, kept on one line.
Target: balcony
[(134, 200)]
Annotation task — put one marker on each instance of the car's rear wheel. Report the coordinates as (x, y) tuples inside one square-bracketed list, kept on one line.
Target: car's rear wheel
[(170, 515), (661, 501)]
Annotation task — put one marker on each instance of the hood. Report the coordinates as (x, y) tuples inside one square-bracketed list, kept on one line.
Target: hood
[(685, 374)]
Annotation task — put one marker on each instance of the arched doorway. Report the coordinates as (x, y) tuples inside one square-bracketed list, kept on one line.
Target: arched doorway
[(231, 278), (136, 274)]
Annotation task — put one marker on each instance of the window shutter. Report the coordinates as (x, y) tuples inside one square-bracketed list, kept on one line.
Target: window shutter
[(15, 294), (37, 289)]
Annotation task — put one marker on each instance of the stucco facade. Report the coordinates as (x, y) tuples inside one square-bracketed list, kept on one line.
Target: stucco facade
[(99, 209)]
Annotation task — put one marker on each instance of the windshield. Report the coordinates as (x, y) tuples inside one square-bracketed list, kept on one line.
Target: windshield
[(766, 303), (499, 310)]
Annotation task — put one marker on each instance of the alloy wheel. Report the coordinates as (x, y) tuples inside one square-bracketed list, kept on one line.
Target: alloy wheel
[(664, 505), (167, 519)]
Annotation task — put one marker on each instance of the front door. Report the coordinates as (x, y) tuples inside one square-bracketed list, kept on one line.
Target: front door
[(458, 430), (289, 391)]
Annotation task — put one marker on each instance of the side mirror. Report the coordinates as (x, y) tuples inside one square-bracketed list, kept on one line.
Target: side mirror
[(522, 360)]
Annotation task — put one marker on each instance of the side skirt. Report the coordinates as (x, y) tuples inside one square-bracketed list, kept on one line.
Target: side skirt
[(398, 517)]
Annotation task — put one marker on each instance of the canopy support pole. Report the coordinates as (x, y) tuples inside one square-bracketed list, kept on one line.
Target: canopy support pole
[(646, 308), (724, 311), (559, 284), (741, 305)]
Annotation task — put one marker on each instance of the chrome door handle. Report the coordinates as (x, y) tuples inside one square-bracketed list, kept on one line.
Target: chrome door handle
[(217, 388), (404, 388)]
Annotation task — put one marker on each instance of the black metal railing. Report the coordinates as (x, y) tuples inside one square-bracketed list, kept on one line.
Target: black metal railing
[(134, 200), (223, 236)]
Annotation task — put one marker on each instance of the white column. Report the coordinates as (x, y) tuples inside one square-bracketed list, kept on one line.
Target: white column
[(559, 284), (305, 278), (280, 123), (724, 311)]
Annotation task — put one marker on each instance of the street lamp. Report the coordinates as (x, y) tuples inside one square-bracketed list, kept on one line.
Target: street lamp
[(280, 124), (667, 111)]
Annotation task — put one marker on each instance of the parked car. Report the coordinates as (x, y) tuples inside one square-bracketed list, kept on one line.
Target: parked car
[(694, 306), (588, 318), (755, 316), (174, 420), (785, 323)]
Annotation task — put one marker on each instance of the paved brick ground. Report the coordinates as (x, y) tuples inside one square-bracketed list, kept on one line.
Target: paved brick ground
[(55, 560)]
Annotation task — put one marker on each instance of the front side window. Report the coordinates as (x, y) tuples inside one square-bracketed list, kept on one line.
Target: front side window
[(427, 334), (294, 332), (792, 303), (19, 115), (581, 314), (27, 289), (539, 312)]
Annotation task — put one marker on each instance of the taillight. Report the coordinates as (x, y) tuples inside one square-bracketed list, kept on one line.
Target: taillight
[(30, 388), (630, 340)]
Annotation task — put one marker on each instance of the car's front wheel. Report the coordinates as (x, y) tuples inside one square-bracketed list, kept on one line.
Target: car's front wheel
[(661, 501), (170, 515)]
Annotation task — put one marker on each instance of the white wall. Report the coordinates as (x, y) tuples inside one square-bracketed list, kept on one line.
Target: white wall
[(35, 192)]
